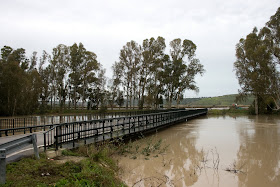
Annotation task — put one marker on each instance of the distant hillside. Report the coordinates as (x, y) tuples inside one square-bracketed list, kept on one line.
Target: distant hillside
[(217, 101)]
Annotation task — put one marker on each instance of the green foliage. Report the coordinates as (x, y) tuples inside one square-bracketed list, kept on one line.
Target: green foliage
[(180, 70), (20, 84), (69, 73), (97, 169)]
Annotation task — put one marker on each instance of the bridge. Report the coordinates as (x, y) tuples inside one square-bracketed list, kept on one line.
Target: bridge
[(74, 134), (71, 135)]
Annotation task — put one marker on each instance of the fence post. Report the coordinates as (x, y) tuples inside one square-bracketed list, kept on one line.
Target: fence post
[(73, 131), (58, 137), (24, 125), (45, 142), (129, 124), (1, 127), (2, 166), (103, 124), (13, 126)]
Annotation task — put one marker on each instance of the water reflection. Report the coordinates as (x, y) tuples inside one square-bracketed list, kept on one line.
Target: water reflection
[(249, 146), (259, 152), (178, 166)]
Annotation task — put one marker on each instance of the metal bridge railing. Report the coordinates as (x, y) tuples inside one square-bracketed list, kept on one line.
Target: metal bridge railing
[(12, 126), (99, 130)]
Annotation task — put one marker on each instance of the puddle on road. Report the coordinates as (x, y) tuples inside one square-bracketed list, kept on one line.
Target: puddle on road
[(211, 151)]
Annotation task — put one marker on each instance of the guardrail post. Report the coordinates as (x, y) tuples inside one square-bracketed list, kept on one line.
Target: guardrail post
[(34, 142), (56, 139), (2, 166)]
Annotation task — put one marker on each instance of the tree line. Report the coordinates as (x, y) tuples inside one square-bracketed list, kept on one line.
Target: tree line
[(26, 84), (144, 75), (147, 74), (257, 65)]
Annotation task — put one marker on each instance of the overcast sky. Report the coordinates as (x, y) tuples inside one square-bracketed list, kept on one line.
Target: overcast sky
[(215, 26)]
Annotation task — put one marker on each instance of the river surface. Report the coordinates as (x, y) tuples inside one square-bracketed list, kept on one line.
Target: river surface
[(211, 151)]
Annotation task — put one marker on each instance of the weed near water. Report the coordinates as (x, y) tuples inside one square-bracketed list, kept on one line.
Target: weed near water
[(146, 146)]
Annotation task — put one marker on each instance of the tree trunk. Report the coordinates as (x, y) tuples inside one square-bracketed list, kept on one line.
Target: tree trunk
[(126, 106), (75, 103), (141, 105), (256, 105), (14, 108), (51, 102), (169, 101)]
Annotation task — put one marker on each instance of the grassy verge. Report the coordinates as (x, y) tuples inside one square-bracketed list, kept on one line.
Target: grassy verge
[(97, 168)]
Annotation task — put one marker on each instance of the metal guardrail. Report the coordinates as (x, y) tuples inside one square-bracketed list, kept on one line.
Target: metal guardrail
[(13, 146), (91, 131), (11, 126)]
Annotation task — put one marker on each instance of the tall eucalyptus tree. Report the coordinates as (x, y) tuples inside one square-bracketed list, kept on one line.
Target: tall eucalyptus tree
[(149, 71), (253, 67), (182, 68), (127, 68)]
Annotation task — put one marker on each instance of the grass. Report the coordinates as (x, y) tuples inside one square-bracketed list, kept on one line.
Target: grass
[(97, 169)]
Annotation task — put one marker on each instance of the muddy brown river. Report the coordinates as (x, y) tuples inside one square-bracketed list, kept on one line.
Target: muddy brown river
[(210, 151)]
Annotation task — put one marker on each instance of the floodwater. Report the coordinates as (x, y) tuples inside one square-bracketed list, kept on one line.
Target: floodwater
[(211, 151)]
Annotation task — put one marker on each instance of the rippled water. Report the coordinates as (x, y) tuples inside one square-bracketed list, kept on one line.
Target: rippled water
[(212, 151)]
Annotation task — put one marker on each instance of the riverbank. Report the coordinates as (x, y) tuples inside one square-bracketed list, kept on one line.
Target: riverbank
[(85, 166), (237, 111), (90, 165), (240, 111)]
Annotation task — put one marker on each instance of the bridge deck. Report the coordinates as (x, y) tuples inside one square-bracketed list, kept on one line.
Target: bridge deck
[(69, 135)]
